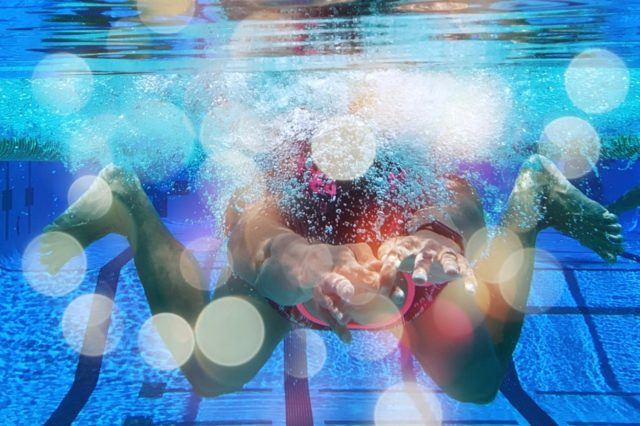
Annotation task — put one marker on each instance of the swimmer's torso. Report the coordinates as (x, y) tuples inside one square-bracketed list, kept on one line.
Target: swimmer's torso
[(368, 209)]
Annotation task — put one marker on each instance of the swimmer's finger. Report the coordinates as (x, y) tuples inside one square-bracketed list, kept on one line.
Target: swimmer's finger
[(359, 275), (389, 272), (401, 246), (468, 277), (332, 316), (422, 266), (365, 257), (450, 262)]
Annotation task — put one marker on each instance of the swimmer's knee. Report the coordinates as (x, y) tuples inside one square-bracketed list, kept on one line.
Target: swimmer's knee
[(209, 387), (209, 380), (478, 383), (483, 393)]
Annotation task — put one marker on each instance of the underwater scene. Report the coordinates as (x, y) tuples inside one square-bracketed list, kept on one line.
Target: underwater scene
[(320, 212)]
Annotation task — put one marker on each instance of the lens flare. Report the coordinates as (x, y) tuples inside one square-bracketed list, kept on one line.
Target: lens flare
[(54, 264), (230, 331), (62, 82), (572, 144), (316, 355), (166, 16), (408, 403), (91, 325), (597, 81), (166, 341), (96, 194), (343, 148)]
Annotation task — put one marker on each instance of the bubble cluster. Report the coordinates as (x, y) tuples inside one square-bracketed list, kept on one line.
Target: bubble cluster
[(155, 139), (572, 144), (316, 355), (62, 82), (343, 148), (374, 345), (597, 81)]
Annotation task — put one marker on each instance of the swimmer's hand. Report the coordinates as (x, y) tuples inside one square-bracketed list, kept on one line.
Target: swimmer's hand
[(295, 271), (429, 260)]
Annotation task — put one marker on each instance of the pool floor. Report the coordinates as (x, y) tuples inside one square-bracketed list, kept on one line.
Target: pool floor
[(577, 362)]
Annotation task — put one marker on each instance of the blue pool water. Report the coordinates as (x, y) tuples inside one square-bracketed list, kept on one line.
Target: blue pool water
[(187, 94)]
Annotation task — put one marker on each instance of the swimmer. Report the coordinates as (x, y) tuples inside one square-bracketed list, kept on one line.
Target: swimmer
[(318, 263)]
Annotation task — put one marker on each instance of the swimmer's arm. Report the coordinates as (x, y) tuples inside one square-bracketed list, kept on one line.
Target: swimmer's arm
[(250, 233)]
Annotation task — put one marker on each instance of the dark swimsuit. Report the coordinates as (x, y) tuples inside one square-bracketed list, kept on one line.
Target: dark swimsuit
[(340, 212)]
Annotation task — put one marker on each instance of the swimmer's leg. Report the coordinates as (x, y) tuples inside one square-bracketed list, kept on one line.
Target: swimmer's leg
[(460, 358), (157, 256), (470, 367)]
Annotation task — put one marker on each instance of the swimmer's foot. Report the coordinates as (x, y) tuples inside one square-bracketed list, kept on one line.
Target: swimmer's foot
[(568, 210), (103, 209)]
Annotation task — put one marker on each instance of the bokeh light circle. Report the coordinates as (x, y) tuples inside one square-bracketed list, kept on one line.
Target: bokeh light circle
[(343, 148), (96, 194), (316, 355), (54, 263), (155, 139), (166, 341), (62, 82), (408, 403), (189, 266), (597, 81), (230, 331), (368, 309), (233, 126), (91, 325), (491, 267), (166, 16), (89, 141), (543, 294), (572, 144)]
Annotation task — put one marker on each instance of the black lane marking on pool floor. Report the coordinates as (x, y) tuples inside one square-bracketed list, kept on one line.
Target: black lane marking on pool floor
[(587, 393), (405, 423), (528, 408), (157, 390), (88, 368), (298, 409), (605, 366), (193, 403), (630, 256)]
